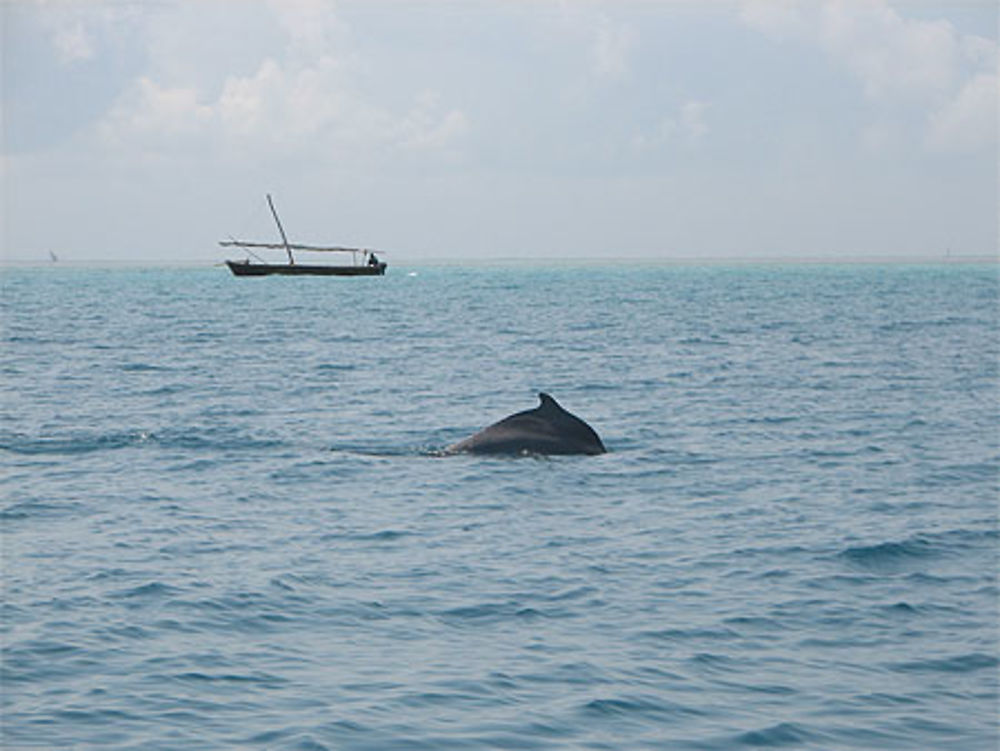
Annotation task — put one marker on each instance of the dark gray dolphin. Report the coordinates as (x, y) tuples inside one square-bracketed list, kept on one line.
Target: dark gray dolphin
[(546, 429)]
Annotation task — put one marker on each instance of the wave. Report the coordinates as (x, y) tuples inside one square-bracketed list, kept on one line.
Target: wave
[(91, 442), (885, 556), (385, 535), (144, 367), (329, 367), (776, 736), (491, 612), (385, 451), (638, 706), (908, 326), (150, 589), (76, 444), (262, 679), (30, 509), (900, 556), (697, 634), (958, 664)]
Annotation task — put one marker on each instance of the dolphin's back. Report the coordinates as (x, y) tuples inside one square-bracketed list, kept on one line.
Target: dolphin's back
[(547, 429)]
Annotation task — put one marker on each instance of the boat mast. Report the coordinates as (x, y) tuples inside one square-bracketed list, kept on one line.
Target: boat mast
[(281, 229)]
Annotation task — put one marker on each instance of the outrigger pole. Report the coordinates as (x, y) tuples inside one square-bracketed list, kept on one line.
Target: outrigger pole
[(234, 241), (291, 259)]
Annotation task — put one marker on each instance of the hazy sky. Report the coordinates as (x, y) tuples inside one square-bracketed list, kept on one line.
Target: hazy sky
[(147, 131)]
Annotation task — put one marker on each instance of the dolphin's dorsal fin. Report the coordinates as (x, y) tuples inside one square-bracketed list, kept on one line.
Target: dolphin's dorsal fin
[(548, 403)]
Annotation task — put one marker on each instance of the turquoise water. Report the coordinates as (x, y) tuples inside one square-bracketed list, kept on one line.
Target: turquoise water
[(224, 525)]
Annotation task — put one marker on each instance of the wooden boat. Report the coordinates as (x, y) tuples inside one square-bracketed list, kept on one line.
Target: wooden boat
[(247, 268), (365, 262)]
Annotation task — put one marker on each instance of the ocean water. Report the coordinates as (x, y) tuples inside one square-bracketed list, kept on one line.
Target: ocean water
[(224, 525)]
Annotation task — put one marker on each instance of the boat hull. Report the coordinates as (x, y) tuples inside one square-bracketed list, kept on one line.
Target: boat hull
[(245, 268)]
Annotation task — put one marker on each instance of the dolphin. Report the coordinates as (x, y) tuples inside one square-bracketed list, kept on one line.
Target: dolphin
[(546, 429)]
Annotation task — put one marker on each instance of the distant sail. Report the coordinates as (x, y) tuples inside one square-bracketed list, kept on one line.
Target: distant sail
[(53, 257)]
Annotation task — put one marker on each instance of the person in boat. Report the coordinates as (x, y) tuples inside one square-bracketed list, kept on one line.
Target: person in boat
[(372, 259)]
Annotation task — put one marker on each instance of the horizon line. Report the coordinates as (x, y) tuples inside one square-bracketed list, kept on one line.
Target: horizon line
[(507, 261)]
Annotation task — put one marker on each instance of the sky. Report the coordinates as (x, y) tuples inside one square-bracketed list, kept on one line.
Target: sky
[(144, 132)]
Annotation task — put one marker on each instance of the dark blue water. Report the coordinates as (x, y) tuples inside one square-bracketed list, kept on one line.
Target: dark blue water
[(223, 525)]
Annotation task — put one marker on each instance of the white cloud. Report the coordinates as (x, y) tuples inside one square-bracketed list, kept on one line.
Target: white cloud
[(280, 110), (687, 125), (154, 109), (605, 44), (73, 43), (75, 30), (70, 31), (242, 104), (612, 47), (891, 56), (302, 100), (692, 119), (902, 64), (969, 120), (311, 25), (779, 18), (424, 127)]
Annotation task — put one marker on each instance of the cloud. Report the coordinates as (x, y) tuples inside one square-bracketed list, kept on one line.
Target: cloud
[(280, 109), (903, 65), (969, 120), (692, 119), (154, 109), (71, 30), (890, 55), (310, 25), (77, 30), (611, 47), (687, 124), (73, 43), (778, 18), (304, 99), (425, 127), (605, 44)]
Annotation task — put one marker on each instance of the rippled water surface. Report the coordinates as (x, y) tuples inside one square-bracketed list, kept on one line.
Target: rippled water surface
[(224, 525)]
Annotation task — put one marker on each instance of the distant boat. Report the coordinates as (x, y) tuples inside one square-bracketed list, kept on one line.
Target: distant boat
[(365, 262), (53, 257)]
